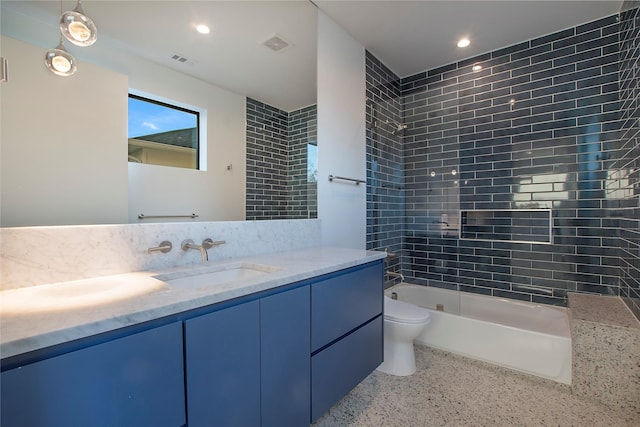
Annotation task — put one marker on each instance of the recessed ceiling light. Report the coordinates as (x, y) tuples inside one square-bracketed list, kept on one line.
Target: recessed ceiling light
[(463, 42), (203, 29)]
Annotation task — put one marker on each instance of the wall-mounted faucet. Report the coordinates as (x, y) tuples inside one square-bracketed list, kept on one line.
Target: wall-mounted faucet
[(164, 247), (206, 244)]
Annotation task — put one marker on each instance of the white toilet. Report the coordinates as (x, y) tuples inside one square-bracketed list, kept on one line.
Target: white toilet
[(403, 322)]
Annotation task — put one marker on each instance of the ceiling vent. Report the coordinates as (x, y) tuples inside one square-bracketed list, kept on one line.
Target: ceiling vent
[(181, 59), (276, 43)]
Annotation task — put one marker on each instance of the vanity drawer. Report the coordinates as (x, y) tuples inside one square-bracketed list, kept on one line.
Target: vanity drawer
[(342, 303), (339, 368)]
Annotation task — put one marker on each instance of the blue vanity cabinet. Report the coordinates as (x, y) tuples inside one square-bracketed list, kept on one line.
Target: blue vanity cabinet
[(249, 364), (278, 358), (285, 358), (222, 367), (132, 381), (346, 333)]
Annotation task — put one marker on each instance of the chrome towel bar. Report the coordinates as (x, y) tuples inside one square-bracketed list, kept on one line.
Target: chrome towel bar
[(356, 181), (143, 216)]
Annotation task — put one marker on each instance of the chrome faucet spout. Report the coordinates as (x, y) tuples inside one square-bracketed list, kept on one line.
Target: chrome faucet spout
[(206, 244), (188, 244), (204, 254)]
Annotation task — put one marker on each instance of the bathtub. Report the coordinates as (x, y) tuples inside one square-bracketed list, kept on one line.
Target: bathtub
[(531, 338)]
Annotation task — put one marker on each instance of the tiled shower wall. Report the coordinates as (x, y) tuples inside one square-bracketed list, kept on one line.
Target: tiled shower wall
[(266, 196), (277, 186), (385, 169), (537, 125), (626, 166)]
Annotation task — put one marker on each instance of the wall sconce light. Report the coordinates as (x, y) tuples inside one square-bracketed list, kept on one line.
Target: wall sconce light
[(59, 61), (4, 74), (77, 27)]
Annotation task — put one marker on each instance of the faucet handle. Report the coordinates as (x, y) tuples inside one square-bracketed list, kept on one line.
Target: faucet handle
[(164, 247), (209, 243)]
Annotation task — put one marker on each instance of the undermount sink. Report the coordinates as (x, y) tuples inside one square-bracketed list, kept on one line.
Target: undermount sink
[(218, 275), (78, 293)]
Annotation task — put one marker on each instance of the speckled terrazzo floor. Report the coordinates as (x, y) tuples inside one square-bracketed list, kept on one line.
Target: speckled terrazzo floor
[(449, 390)]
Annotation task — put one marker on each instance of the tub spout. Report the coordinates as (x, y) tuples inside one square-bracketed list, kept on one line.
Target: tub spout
[(394, 274)]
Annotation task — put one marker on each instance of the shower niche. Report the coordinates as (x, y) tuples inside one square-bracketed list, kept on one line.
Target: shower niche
[(518, 225)]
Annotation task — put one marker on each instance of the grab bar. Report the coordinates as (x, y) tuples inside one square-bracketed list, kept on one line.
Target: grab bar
[(357, 181), (143, 216)]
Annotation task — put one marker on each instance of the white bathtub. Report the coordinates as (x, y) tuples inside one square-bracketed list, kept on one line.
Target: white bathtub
[(531, 338)]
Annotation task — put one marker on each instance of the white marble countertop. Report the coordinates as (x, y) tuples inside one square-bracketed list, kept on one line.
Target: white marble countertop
[(38, 328)]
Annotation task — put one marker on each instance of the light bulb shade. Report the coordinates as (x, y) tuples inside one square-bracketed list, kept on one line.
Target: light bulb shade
[(59, 61), (78, 28)]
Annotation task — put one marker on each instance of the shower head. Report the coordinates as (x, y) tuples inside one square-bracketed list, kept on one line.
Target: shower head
[(395, 126), (399, 127)]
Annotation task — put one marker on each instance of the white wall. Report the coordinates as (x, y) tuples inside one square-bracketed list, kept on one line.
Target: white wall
[(63, 142), (341, 135), (214, 194)]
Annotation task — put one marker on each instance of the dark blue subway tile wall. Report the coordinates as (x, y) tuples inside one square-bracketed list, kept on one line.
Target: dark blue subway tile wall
[(266, 194), (550, 123), (385, 169), (530, 126), (276, 170), (624, 174)]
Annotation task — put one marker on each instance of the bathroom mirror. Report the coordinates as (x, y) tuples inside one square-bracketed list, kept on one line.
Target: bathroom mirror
[(64, 139)]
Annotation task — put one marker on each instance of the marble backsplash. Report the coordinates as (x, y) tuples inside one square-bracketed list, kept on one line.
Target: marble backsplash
[(37, 255)]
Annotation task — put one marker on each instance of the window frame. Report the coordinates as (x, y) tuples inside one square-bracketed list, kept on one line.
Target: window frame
[(175, 105)]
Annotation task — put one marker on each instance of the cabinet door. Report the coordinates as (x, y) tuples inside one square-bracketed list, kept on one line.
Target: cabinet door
[(286, 373), (222, 351), (131, 381)]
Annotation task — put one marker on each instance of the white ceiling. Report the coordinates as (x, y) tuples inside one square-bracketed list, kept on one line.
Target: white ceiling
[(407, 36), (231, 56), (414, 36)]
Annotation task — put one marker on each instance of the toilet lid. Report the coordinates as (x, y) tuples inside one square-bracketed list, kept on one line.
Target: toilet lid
[(404, 312)]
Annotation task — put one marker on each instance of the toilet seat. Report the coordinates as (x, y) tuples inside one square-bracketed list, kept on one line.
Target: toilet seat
[(403, 312)]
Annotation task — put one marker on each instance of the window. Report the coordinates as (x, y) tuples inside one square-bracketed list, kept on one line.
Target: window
[(312, 163), (163, 134)]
